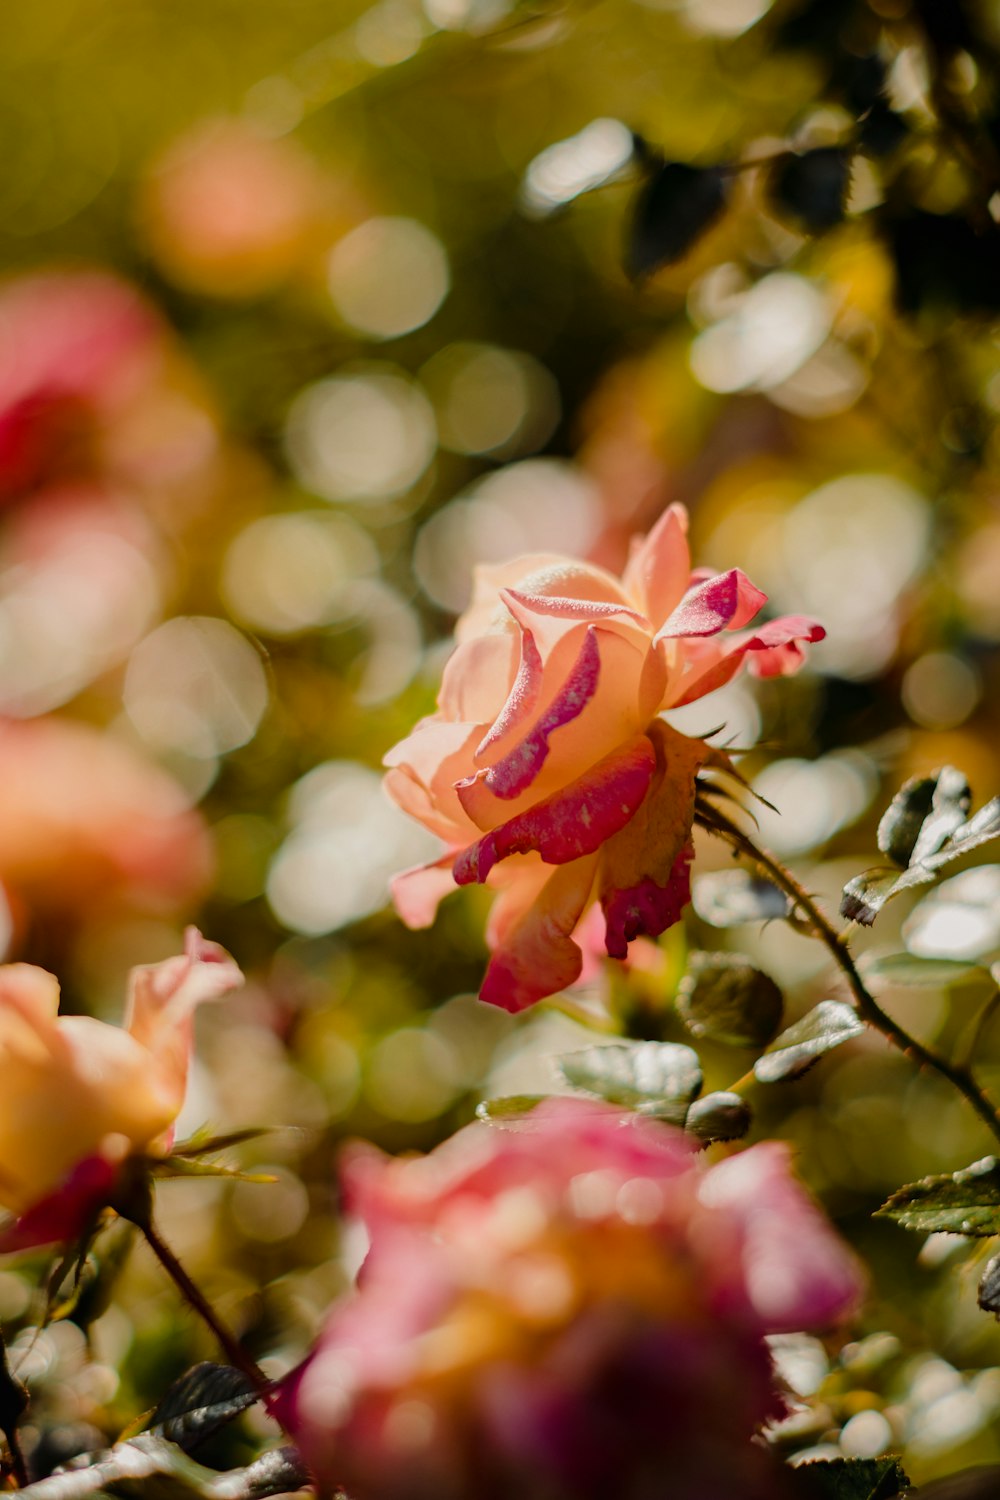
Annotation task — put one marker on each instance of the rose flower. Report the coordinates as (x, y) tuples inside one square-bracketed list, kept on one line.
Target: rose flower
[(547, 770), (573, 1310), (79, 1096)]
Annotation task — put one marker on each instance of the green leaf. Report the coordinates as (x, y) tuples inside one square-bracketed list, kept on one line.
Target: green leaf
[(831, 1023), (944, 835), (675, 205), (722, 1116), (966, 1202), (203, 1142), (653, 1078), (864, 897), (727, 898), (509, 1111), (850, 1479), (186, 1166), (725, 998), (200, 1402), (909, 968), (811, 188)]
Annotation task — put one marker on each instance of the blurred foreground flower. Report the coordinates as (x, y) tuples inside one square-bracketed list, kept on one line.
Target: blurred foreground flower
[(84, 818), (546, 749), (79, 1096), (574, 1309)]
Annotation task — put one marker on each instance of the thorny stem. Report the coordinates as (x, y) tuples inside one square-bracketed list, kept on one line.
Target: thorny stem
[(867, 1006), (234, 1351)]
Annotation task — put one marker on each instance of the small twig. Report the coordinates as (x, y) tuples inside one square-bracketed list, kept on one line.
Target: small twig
[(867, 1006), (234, 1351)]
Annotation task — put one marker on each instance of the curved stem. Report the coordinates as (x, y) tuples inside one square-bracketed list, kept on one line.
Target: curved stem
[(234, 1351), (867, 1006)]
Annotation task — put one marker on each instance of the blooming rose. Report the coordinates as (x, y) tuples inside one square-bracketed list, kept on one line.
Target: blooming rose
[(573, 1310), (546, 769), (79, 1096)]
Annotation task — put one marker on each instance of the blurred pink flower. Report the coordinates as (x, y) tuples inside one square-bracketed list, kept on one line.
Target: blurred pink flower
[(92, 387), (84, 819), (79, 1096), (575, 1309), (547, 749)]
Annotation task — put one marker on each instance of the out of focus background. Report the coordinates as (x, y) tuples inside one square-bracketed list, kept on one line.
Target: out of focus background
[(308, 308)]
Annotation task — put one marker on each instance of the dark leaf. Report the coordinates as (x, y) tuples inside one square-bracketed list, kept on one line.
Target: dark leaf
[(200, 1402), (812, 188), (831, 1023), (903, 819), (719, 1117), (966, 1202), (944, 263), (653, 1078), (881, 130), (726, 898), (725, 998), (674, 206), (989, 1287), (851, 1479), (509, 1111)]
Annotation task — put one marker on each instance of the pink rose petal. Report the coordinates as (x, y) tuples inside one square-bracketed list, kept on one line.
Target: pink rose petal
[(725, 602), (571, 823)]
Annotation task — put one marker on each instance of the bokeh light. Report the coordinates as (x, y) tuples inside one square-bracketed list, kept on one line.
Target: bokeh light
[(365, 436), (388, 276)]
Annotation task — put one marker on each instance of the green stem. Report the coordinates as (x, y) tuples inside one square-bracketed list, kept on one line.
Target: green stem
[(234, 1351), (867, 1006)]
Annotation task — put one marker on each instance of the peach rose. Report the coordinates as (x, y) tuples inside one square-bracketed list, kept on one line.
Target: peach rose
[(547, 770), (79, 1096), (571, 1311)]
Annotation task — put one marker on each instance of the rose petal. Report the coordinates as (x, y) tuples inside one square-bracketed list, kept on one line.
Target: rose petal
[(477, 677), (63, 1215), (595, 701), (659, 569), (646, 909), (795, 1273), (537, 956), (550, 616), (725, 602), (523, 699), (516, 770), (418, 892), (643, 870), (771, 651), (163, 997), (573, 822), (423, 770)]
